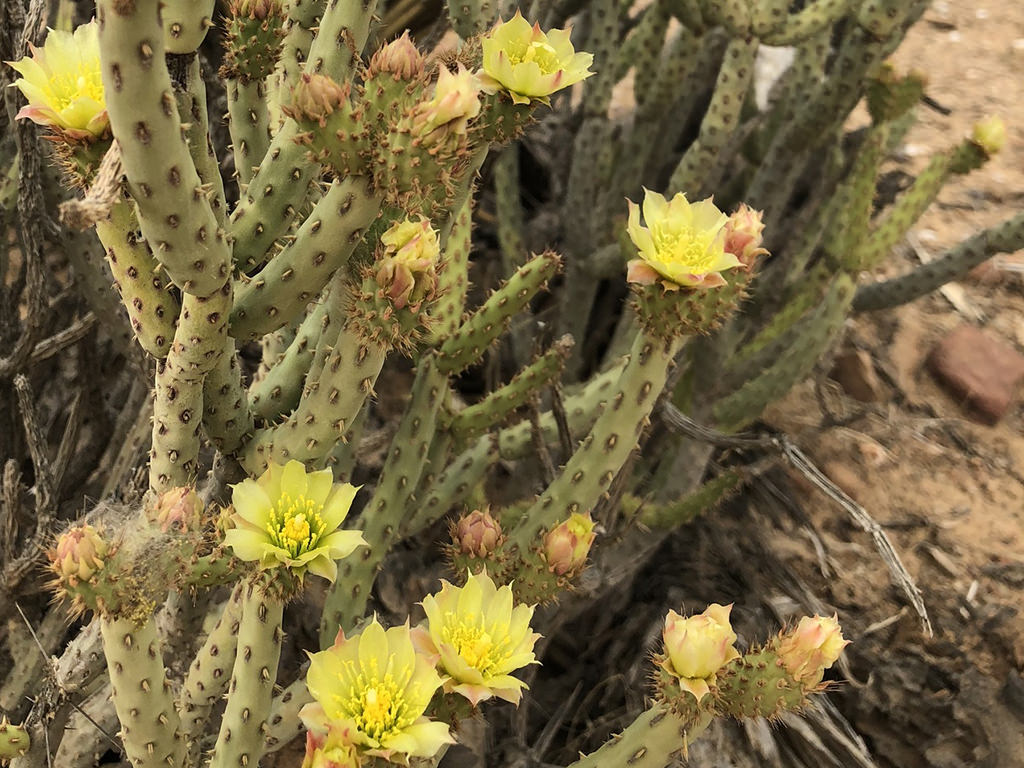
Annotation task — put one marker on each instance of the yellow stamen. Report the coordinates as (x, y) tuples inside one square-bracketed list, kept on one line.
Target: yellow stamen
[(295, 525)]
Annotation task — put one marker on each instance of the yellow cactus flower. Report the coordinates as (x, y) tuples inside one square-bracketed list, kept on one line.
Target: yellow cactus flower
[(683, 243), (63, 86), (289, 517), (989, 134), (408, 270), (376, 687), (479, 638), (455, 102), (530, 64), (811, 648), (698, 646)]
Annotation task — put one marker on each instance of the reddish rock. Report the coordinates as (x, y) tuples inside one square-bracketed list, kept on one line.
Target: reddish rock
[(855, 373), (980, 369)]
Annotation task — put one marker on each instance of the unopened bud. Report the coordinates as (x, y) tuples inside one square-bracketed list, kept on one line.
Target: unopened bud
[(180, 509), (331, 750), (698, 646), (79, 554), (743, 235), (478, 533), (567, 544), (254, 9), (989, 134), (811, 648), (315, 98), (400, 58)]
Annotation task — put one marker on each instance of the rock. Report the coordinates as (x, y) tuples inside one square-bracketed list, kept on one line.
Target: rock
[(855, 373), (980, 369)]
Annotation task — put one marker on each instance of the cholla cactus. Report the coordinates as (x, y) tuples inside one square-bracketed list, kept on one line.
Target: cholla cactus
[(350, 245)]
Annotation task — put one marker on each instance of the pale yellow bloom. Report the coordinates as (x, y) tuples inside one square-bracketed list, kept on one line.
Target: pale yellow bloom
[(531, 64), (698, 646), (290, 518), (62, 83), (682, 244), (455, 102), (811, 648), (989, 134), (480, 637), (375, 687), (567, 545), (407, 271)]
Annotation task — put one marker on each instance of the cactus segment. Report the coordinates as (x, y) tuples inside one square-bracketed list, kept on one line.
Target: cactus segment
[(482, 328), (720, 121), (745, 404), (249, 124), (14, 740), (346, 601), (325, 241), (590, 471), (453, 281), (152, 308), (227, 417), (511, 217), (687, 509), (240, 741), (326, 410), (177, 415), (150, 728), (252, 40), (471, 17), (176, 216), (809, 21), (1005, 237), (656, 739), (500, 404), (299, 28), (278, 391), (191, 100), (85, 737), (284, 723), (737, 16), (185, 24)]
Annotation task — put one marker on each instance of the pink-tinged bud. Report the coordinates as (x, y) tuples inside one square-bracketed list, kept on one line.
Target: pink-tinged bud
[(477, 533), (400, 58), (698, 646), (79, 554), (743, 235), (567, 545), (811, 648), (180, 509), (989, 134), (455, 102), (315, 98), (330, 750)]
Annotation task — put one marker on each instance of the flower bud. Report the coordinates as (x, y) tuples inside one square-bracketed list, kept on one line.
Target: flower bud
[(315, 98), (400, 58), (698, 646), (743, 235), (407, 271), (455, 102), (989, 134), (567, 545), (178, 508), (477, 533), (254, 9), (79, 554), (811, 648), (330, 750)]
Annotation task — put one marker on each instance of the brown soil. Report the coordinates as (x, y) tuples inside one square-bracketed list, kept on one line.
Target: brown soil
[(948, 491)]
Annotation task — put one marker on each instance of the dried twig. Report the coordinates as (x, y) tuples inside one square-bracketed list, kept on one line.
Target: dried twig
[(781, 445), (62, 339)]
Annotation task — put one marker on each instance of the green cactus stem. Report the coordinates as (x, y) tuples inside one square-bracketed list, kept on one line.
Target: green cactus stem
[(657, 738), (809, 21), (720, 121), (511, 217), (300, 26), (485, 325), (281, 290), (208, 676), (453, 281), (1005, 237), (185, 24), (284, 723), (346, 600), (249, 124), (177, 415), (227, 417), (191, 101), (150, 728), (177, 218), (14, 740), (745, 404), (278, 391), (709, 496), (590, 471), (152, 307), (471, 17), (240, 741), (327, 409), (498, 406), (280, 186)]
